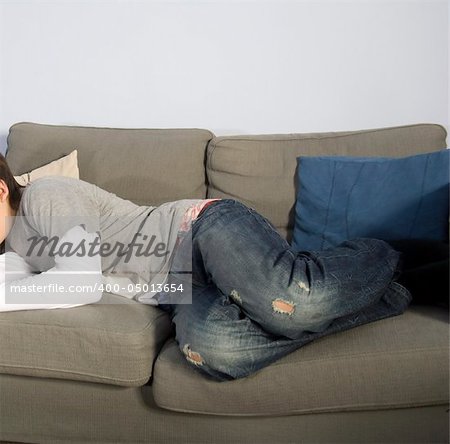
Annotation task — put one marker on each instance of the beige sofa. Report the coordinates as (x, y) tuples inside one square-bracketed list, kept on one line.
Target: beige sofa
[(112, 373)]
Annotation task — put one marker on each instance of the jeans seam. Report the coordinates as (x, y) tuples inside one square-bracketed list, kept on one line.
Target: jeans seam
[(257, 216), (204, 215)]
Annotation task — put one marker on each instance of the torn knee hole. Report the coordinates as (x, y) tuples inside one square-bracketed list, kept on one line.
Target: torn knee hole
[(193, 357), (302, 285), (282, 306), (236, 296)]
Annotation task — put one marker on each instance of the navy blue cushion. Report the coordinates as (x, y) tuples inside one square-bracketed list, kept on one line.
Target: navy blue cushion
[(342, 198)]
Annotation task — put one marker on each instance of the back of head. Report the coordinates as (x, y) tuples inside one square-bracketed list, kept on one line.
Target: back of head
[(14, 189)]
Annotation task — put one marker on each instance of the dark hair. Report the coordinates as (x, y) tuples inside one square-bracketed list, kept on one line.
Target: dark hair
[(15, 193), (14, 188)]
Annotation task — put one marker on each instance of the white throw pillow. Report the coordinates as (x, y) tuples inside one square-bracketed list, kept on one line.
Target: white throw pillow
[(65, 166)]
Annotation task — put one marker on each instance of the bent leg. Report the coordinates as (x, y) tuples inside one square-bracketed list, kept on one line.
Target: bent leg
[(288, 293), (217, 339)]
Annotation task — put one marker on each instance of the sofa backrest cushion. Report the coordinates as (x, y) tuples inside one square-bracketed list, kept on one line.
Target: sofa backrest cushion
[(260, 170), (146, 166)]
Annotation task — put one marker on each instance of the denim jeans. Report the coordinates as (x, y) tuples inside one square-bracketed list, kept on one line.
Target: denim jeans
[(255, 300)]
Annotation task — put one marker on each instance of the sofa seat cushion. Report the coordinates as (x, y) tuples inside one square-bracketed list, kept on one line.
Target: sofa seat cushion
[(396, 362), (114, 341)]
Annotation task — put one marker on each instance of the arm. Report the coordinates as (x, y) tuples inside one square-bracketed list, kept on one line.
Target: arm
[(73, 281)]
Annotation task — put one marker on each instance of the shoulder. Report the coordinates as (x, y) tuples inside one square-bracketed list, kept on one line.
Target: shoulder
[(52, 182), (53, 204), (55, 185), (50, 190)]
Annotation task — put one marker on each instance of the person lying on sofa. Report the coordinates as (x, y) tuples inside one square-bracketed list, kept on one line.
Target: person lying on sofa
[(252, 299)]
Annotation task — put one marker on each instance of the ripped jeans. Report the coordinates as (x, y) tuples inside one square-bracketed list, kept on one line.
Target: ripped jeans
[(255, 300)]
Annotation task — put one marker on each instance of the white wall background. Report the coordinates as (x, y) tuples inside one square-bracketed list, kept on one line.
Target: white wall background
[(230, 66)]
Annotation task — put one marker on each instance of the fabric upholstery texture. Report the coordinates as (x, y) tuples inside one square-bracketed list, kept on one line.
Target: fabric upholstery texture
[(113, 342), (55, 411), (395, 362), (136, 164), (382, 382), (65, 166), (342, 198), (260, 170)]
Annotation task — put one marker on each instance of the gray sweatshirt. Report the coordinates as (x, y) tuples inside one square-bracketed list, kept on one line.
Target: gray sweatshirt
[(53, 205)]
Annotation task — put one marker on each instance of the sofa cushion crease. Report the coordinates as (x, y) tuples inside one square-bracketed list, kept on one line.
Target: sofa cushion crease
[(313, 411)]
